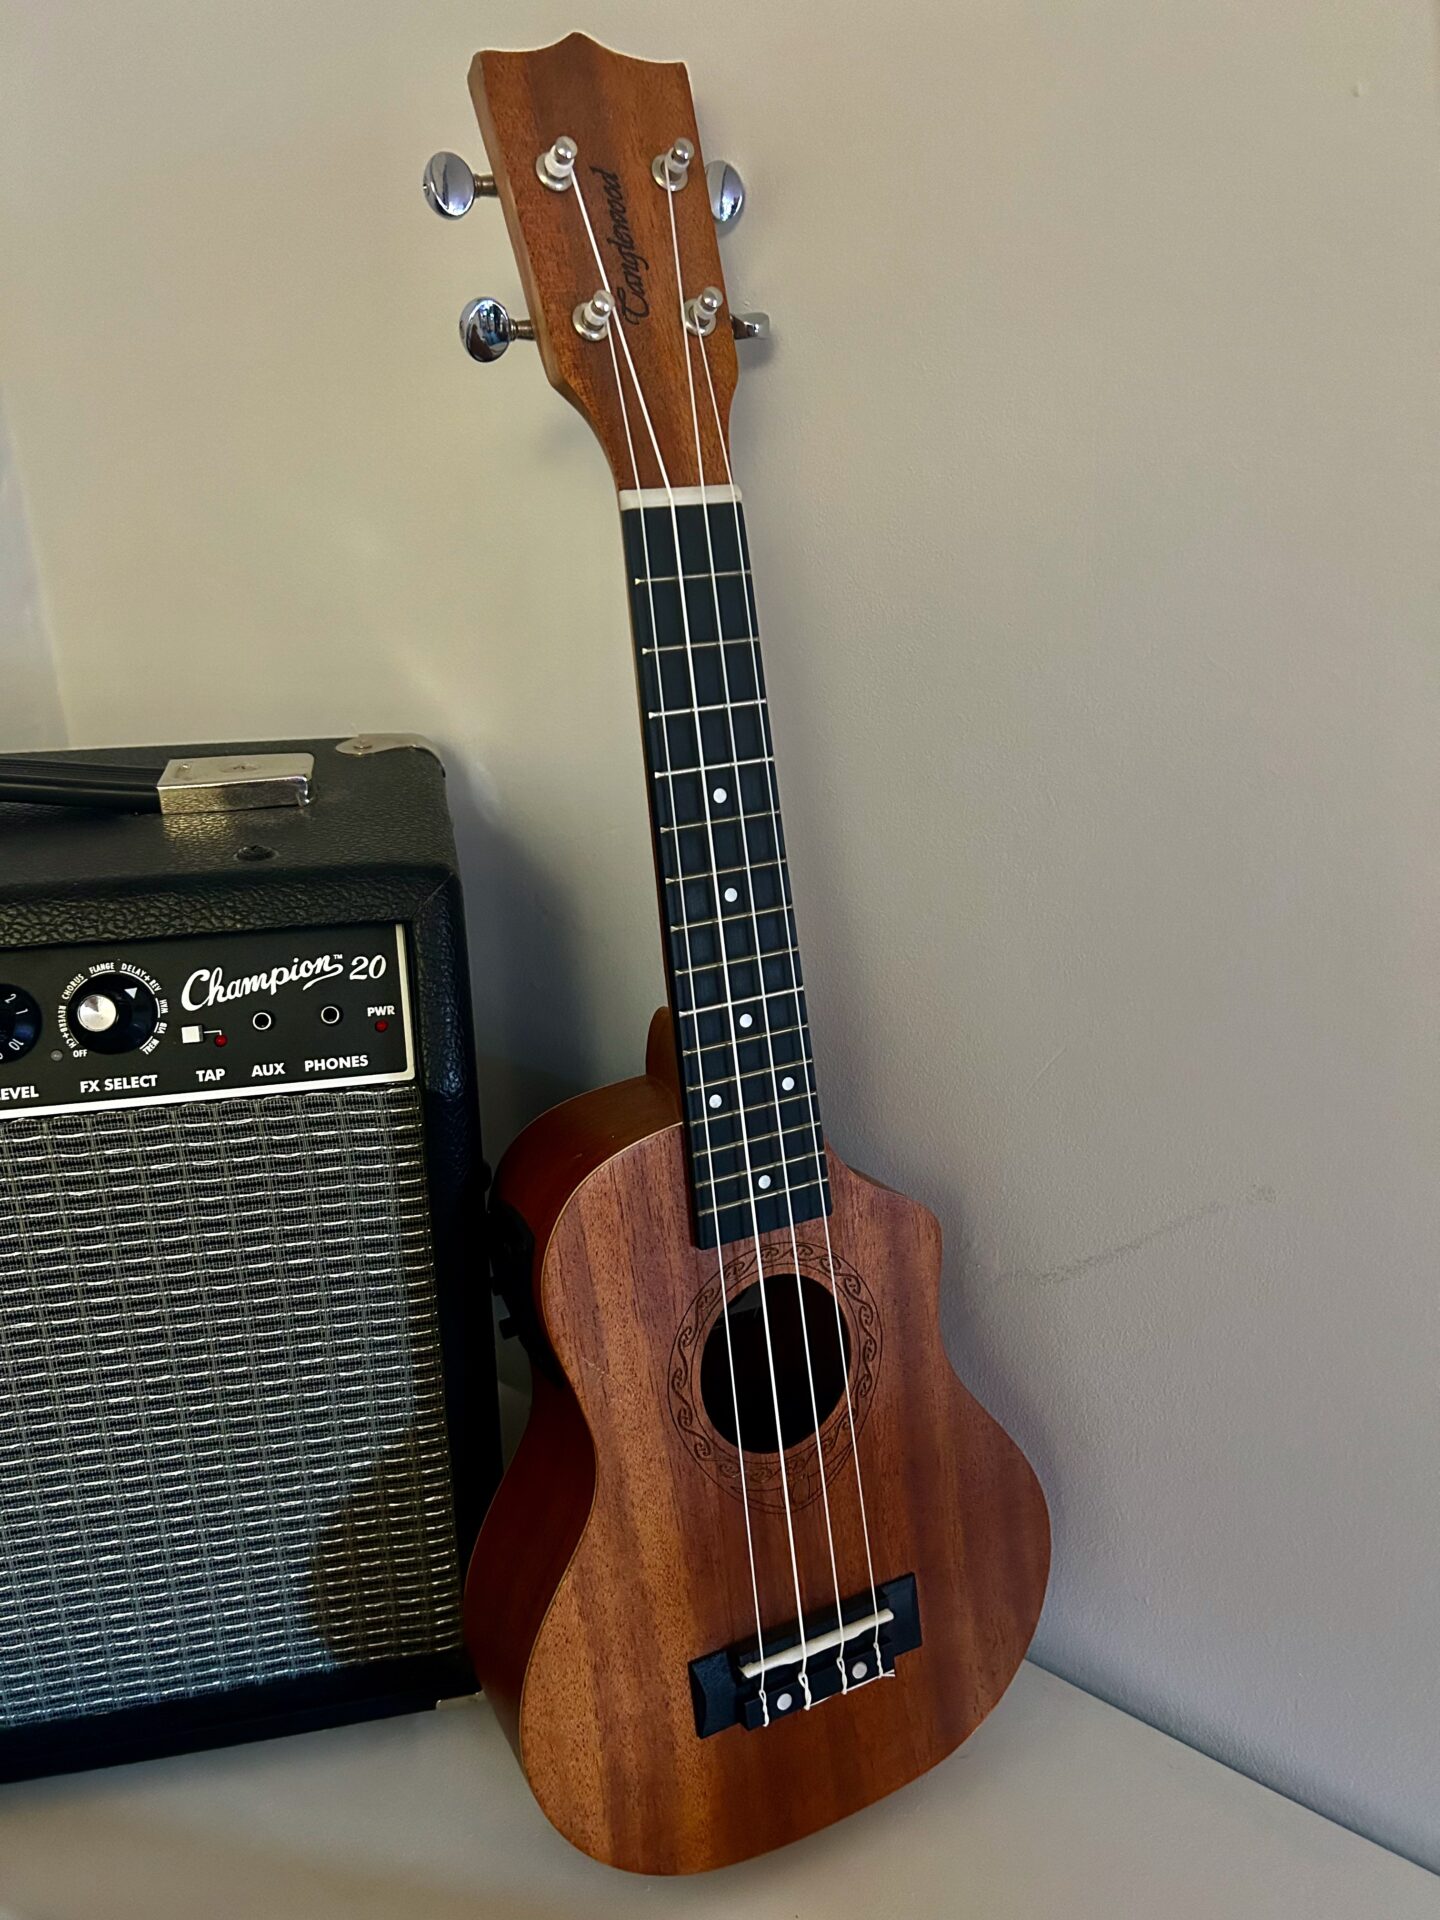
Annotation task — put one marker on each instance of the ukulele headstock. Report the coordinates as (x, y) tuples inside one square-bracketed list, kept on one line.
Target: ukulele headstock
[(598, 165)]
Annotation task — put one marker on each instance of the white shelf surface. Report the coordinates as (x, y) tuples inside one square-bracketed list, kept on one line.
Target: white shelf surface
[(1059, 1808)]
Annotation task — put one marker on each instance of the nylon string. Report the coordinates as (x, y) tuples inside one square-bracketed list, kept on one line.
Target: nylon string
[(880, 1667), (724, 963), (767, 746)]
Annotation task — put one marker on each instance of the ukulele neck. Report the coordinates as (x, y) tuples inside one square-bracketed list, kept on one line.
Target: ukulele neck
[(752, 1119)]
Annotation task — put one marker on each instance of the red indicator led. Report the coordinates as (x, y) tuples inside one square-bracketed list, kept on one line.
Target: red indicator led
[(221, 1041), (382, 1026)]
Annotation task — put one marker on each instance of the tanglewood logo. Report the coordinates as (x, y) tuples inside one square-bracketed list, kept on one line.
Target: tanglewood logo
[(630, 289)]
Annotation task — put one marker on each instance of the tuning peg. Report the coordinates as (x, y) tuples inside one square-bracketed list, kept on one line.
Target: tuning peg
[(727, 193), (451, 185), (592, 316), (487, 329), (701, 312), (750, 326), (672, 169)]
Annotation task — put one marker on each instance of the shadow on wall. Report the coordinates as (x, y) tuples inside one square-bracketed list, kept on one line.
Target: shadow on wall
[(532, 1032), (851, 1065), (968, 1331), (32, 715)]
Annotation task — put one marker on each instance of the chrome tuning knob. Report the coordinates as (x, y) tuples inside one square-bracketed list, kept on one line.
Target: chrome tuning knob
[(727, 193), (750, 326), (451, 185), (487, 328)]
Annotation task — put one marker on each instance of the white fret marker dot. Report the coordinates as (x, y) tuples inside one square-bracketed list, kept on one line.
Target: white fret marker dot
[(731, 894), (783, 1702), (747, 1019), (859, 1670), (787, 1084), (719, 796), (714, 1099), (764, 1180)]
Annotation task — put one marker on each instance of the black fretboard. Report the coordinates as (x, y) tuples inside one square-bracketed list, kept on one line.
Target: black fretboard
[(752, 1119)]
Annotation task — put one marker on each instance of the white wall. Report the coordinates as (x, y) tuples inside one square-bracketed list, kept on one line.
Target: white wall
[(30, 711), (1094, 486)]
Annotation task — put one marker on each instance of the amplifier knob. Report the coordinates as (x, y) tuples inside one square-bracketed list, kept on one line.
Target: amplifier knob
[(19, 1023), (97, 1013), (113, 1014)]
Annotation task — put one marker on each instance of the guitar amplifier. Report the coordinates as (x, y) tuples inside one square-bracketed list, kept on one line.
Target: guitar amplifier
[(247, 1402)]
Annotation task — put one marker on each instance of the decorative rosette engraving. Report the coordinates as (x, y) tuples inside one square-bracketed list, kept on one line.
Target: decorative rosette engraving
[(822, 1455)]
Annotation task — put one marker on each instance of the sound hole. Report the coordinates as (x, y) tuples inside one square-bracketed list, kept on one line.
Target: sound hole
[(789, 1334)]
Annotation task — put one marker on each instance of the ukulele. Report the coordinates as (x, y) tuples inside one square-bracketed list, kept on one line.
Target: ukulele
[(760, 1559)]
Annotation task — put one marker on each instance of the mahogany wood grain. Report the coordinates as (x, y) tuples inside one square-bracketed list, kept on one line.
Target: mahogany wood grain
[(621, 113), (611, 1559)]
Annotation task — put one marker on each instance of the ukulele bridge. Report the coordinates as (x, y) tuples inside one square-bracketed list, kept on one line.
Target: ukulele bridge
[(839, 1657)]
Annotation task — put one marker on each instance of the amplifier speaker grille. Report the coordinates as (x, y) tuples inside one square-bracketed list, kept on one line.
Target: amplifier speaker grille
[(223, 1450)]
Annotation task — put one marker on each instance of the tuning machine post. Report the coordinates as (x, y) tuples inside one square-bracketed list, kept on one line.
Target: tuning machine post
[(702, 312), (592, 317), (555, 168), (671, 169), (452, 185)]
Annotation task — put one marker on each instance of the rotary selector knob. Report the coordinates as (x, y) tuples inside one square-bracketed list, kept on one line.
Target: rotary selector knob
[(112, 1013), (19, 1023)]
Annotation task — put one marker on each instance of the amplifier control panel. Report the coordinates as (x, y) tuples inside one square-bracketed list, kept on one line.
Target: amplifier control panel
[(216, 1017)]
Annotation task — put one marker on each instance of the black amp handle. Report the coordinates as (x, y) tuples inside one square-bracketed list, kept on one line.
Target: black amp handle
[(76, 783), (233, 783)]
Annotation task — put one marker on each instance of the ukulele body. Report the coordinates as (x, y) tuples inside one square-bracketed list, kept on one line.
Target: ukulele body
[(615, 1552)]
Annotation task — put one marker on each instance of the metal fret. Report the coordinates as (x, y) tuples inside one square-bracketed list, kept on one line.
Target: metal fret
[(770, 993), (819, 1185), (787, 1151), (745, 1041), (738, 959), (712, 1202), (698, 826), (717, 873), (725, 640), (769, 1106), (803, 1174), (688, 713), (753, 1039), (807, 1127), (774, 1159), (719, 767), (797, 1167), (810, 1173), (760, 1082), (668, 579), (740, 918), (739, 913)]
